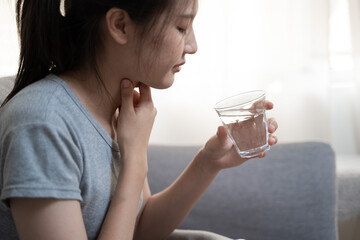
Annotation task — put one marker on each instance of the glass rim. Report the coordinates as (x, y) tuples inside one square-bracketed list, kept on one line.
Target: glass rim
[(261, 92)]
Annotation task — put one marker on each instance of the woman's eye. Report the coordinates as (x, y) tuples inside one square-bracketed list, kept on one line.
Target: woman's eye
[(181, 30)]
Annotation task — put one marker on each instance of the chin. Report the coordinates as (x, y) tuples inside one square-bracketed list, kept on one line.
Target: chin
[(165, 83)]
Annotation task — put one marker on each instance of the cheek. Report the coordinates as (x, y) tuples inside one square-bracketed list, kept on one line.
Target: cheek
[(155, 59), (173, 43), (177, 46)]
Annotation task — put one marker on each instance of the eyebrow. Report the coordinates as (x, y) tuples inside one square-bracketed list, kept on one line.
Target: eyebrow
[(191, 16)]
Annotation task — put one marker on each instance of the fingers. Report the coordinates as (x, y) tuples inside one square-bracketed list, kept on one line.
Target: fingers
[(262, 155), (126, 94), (221, 133), (220, 140), (269, 105), (263, 104), (272, 140), (272, 125), (143, 96), (145, 93), (136, 98)]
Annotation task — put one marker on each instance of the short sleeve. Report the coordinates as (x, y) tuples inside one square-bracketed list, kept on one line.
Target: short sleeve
[(40, 161)]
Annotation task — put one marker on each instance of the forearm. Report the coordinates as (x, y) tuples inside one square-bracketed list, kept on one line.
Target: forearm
[(121, 215), (165, 211)]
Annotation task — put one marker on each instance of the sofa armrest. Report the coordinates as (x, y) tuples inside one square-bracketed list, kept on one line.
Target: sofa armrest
[(290, 194), (6, 84)]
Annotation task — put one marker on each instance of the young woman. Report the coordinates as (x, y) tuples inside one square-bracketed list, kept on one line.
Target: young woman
[(74, 133)]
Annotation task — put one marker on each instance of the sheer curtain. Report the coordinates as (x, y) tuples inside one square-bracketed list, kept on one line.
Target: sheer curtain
[(299, 51), (280, 46), (354, 10)]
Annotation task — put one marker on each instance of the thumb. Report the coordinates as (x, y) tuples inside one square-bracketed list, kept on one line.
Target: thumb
[(222, 133), (221, 138), (219, 143), (126, 93)]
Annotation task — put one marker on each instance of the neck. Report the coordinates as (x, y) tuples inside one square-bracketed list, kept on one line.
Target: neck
[(101, 97)]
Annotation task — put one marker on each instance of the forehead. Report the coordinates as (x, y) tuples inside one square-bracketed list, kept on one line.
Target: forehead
[(180, 9), (186, 8)]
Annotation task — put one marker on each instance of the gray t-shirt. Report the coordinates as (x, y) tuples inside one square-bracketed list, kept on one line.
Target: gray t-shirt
[(52, 147)]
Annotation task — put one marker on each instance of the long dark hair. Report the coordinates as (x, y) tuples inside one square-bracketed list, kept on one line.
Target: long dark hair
[(54, 41)]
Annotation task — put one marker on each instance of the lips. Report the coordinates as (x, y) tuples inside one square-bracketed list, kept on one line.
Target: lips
[(177, 67)]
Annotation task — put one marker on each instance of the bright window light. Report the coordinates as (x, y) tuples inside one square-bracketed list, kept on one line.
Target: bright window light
[(340, 37)]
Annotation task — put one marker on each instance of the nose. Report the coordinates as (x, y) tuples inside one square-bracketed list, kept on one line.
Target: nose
[(190, 44)]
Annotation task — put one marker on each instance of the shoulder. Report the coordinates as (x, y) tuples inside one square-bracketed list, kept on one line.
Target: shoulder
[(45, 101)]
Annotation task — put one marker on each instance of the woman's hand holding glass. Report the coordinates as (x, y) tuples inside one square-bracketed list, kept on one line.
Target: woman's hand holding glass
[(219, 152)]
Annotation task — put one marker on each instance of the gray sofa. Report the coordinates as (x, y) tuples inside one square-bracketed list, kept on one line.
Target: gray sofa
[(288, 195)]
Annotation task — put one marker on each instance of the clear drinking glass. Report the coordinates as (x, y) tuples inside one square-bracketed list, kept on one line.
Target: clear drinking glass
[(244, 117)]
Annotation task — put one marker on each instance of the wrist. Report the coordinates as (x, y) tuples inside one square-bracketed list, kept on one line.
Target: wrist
[(135, 162), (205, 162)]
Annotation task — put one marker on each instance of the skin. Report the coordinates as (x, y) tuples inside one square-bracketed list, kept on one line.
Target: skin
[(128, 117)]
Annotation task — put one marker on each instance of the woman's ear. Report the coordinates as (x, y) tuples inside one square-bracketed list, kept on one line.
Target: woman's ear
[(119, 25)]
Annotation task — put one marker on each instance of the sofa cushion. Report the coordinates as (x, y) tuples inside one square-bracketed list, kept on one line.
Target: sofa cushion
[(289, 194)]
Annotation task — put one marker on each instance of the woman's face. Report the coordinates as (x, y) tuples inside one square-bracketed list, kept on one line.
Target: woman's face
[(159, 62)]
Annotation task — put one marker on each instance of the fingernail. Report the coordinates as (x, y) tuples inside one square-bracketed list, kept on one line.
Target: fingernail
[(125, 83)]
